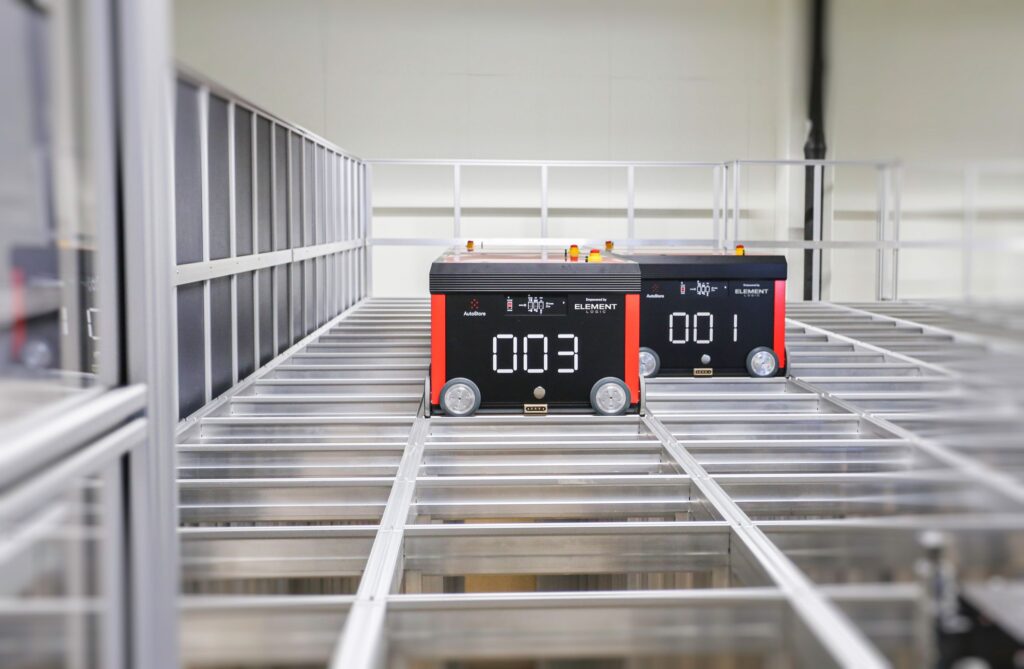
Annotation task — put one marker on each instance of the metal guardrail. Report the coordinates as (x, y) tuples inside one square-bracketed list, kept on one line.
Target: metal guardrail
[(305, 239), (727, 210)]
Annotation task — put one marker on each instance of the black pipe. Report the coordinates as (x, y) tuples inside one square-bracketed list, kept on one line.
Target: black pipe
[(814, 147)]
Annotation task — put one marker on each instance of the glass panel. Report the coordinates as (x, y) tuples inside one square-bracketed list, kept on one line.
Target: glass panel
[(52, 604), (52, 202)]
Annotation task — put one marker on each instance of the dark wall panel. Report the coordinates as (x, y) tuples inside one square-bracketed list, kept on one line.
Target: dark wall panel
[(263, 198), (329, 197), (321, 282), (308, 181), (280, 188), (218, 178), (243, 182), (221, 344), (298, 301), (246, 327), (281, 281), (295, 191), (188, 176), (191, 350), (265, 278), (310, 288), (321, 208)]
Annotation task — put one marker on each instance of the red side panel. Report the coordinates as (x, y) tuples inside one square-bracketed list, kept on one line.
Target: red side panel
[(19, 331), (780, 322), (437, 348), (632, 377)]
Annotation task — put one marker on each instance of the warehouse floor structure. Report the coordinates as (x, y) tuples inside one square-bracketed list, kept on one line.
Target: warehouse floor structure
[(737, 522)]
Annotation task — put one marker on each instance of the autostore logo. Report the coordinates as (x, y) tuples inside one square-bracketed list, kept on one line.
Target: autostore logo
[(474, 308)]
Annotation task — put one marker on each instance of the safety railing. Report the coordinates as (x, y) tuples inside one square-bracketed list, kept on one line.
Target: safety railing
[(853, 216), (271, 237)]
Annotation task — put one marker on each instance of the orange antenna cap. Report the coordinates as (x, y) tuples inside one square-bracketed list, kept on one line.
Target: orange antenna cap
[(469, 245), (609, 245)]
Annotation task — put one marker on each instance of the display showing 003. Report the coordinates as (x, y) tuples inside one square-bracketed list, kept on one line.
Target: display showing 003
[(574, 353)]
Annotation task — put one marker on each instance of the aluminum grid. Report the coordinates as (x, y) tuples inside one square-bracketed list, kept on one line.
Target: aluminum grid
[(739, 523)]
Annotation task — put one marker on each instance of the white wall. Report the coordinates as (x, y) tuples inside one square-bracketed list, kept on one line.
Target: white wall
[(557, 79), (929, 82), (922, 80)]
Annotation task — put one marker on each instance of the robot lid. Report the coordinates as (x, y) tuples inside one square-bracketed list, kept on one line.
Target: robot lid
[(668, 265), (536, 269)]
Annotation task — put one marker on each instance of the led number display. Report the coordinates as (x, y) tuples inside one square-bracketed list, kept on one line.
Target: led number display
[(695, 323), (511, 344)]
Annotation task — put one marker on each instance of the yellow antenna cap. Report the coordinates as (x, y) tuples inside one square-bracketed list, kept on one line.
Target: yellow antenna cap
[(609, 245), (594, 256), (469, 245), (740, 251)]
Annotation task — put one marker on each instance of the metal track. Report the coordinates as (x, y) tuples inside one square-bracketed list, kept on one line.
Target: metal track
[(738, 523)]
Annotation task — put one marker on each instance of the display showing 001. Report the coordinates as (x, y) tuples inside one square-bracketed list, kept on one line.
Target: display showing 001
[(687, 331), (540, 341)]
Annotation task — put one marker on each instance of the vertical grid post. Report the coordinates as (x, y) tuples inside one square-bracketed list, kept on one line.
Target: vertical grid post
[(292, 226), (631, 202), (255, 242), (346, 256), (970, 221), (204, 189), (544, 201), (816, 253), (232, 242), (332, 188), (112, 582), (368, 226), (350, 263), (275, 292), (317, 236)]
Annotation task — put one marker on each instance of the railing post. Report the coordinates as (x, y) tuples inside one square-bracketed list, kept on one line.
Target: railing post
[(367, 231), (816, 236), (897, 212), (970, 219), (544, 201), (716, 204), (735, 205), (631, 202), (457, 201), (881, 205)]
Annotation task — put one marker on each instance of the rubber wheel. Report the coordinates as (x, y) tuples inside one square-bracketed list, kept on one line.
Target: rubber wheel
[(464, 399), (750, 358), (599, 397), (657, 362)]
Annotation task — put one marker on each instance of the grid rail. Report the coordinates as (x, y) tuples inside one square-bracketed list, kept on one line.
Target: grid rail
[(738, 523)]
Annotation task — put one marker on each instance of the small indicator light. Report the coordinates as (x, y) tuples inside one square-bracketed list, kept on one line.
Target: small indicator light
[(594, 256), (740, 250), (609, 246)]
